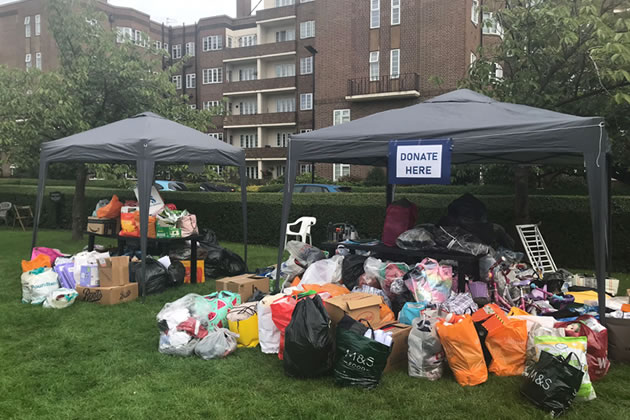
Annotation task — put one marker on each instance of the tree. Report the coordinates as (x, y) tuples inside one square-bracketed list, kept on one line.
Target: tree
[(99, 81), (570, 56)]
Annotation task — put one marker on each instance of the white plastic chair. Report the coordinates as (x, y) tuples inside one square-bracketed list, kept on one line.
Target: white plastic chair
[(304, 231)]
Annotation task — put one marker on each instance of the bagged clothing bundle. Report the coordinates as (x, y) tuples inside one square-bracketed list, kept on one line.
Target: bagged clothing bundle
[(460, 304), (597, 343), (429, 281), (324, 271), (268, 332), (243, 320), (181, 323), (217, 344), (359, 360), (553, 383), (60, 298), (507, 345), (564, 346), (39, 261), (52, 254), (411, 311), (188, 224), (425, 352), (463, 350), (221, 302), (37, 285), (309, 349)]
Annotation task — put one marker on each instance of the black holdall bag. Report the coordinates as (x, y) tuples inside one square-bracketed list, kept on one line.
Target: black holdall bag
[(552, 383)]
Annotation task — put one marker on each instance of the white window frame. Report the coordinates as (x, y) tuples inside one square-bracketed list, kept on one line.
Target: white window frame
[(491, 25), (498, 71), (176, 51), (247, 73), (212, 75), (473, 58), (191, 80), (306, 65), (285, 104), (374, 66), (251, 172), (248, 40), (395, 12), (280, 170), (307, 29), (306, 101), (190, 48), (249, 141), (305, 130), (375, 14), (474, 12), (28, 61), (157, 45), (177, 79), (341, 168), (341, 116), (207, 105), (192, 106), (285, 35), (282, 139), (394, 65), (218, 136), (248, 107), (38, 61), (285, 70), (38, 25), (305, 168), (213, 43), (27, 27)]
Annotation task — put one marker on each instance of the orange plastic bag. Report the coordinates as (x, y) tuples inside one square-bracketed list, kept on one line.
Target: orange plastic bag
[(386, 314), (333, 289), (463, 350), (42, 260), (508, 345), (111, 210), (130, 225), (492, 316)]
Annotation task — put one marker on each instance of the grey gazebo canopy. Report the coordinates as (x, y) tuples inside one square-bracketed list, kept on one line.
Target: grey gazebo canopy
[(144, 139), (483, 131)]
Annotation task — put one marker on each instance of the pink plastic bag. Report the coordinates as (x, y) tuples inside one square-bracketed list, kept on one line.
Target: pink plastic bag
[(49, 252), (399, 217)]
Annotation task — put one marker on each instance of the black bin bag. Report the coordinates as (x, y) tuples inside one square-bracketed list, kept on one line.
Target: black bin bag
[(553, 383), (351, 270), (308, 344)]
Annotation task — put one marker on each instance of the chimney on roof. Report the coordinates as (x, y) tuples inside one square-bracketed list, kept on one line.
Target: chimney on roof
[(243, 8)]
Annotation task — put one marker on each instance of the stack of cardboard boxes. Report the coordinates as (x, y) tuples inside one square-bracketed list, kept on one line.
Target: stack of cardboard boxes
[(113, 274)]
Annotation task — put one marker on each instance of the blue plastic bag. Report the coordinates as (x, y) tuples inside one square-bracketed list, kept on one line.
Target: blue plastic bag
[(410, 311)]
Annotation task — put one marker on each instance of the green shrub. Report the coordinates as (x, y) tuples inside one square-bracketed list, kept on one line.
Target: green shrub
[(376, 177)]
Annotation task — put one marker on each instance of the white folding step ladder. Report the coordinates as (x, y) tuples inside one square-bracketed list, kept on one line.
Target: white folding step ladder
[(536, 249)]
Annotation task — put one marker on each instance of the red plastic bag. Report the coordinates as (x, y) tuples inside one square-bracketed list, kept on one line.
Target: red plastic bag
[(111, 210), (399, 217), (281, 313), (597, 343)]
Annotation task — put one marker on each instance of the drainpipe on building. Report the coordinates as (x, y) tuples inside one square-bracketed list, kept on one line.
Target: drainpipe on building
[(184, 64), (163, 61), (197, 103), (314, 52)]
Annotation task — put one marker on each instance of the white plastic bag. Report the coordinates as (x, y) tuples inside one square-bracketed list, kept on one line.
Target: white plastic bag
[(533, 332), (268, 333), (177, 343), (324, 271), (217, 344), (425, 352), (37, 284), (60, 298), (87, 259)]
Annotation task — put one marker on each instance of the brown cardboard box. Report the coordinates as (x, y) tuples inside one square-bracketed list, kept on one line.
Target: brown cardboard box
[(99, 226), (113, 271), (244, 285), (356, 305), (108, 295), (400, 336)]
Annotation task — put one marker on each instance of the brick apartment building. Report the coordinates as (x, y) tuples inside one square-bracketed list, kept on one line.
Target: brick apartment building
[(290, 67)]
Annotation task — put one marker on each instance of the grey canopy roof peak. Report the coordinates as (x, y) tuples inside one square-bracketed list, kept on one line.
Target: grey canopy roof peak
[(461, 95)]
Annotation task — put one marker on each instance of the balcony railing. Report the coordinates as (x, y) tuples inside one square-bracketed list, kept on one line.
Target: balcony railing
[(258, 50), (280, 118), (260, 84), (266, 153), (407, 82)]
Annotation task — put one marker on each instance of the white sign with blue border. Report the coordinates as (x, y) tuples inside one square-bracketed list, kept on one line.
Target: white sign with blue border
[(420, 161)]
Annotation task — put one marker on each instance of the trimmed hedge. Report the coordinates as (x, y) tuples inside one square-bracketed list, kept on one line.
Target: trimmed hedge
[(566, 219)]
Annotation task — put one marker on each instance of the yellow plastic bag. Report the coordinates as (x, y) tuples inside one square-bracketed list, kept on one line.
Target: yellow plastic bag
[(243, 320), (514, 311), (508, 345)]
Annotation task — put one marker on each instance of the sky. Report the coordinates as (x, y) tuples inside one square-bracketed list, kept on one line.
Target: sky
[(177, 11)]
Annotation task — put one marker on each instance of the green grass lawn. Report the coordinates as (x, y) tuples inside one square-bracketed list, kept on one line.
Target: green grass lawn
[(92, 361)]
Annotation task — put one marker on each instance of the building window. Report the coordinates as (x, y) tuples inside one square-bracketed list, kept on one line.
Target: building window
[(285, 70), (498, 71), (218, 170), (190, 49), (27, 61), (285, 105), (280, 3), (214, 75), (139, 39), (307, 29), (395, 12), (213, 43), (305, 168), (341, 116), (247, 74), (305, 130), (249, 141), (27, 26), (491, 25), (192, 106), (394, 64), (248, 108), (38, 25), (282, 139), (165, 46), (207, 105), (177, 51), (306, 101), (280, 170), (340, 170), (123, 34), (251, 172), (38, 61), (157, 45), (191, 81), (473, 58), (229, 42), (374, 66), (247, 41), (306, 65), (178, 81), (218, 136), (474, 12), (375, 13), (285, 35)]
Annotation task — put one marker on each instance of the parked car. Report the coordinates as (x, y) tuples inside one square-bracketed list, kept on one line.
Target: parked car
[(170, 186), (209, 187), (320, 188)]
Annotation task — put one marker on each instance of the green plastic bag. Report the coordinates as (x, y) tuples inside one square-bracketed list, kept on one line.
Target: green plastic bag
[(359, 361), (221, 302)]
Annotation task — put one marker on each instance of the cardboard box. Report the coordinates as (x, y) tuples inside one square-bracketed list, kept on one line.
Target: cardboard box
[(201, 275), (356, 305), (108, 295), (398, 357), (245, 285), (103, 226), (113, 271)]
